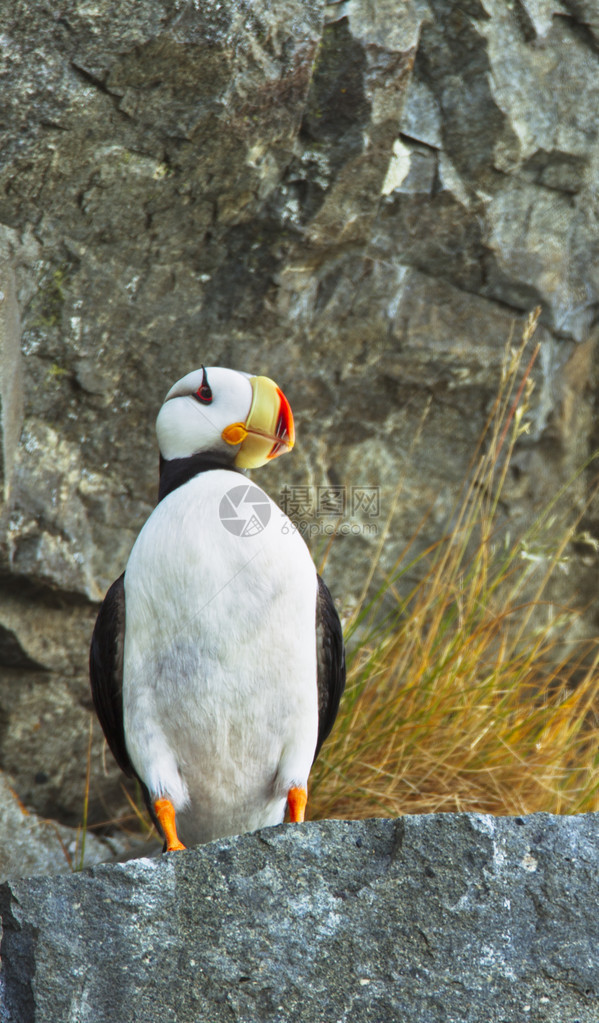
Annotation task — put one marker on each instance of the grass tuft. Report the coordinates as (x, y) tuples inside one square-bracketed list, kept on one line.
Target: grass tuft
[(469, 693)]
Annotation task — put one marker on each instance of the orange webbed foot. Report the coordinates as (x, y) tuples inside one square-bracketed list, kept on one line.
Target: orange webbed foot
[(296, 800), (165, 812)]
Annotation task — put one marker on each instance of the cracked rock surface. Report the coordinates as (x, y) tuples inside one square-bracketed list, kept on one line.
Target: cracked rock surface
[(452, 918), (31, 846), (363, 201)]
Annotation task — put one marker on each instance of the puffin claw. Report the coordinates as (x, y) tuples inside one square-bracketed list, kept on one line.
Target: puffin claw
[(297, 798), (165, 812)]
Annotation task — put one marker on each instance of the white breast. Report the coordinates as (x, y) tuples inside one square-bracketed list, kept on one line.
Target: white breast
[(219, 689)]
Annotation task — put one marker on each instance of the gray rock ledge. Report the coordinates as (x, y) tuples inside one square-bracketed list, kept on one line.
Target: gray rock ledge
[(451, 917)]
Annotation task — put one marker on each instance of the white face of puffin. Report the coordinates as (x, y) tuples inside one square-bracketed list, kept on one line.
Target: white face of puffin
[(247, 418)]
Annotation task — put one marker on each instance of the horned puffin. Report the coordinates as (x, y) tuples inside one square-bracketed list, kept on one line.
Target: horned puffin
[(217, 660)]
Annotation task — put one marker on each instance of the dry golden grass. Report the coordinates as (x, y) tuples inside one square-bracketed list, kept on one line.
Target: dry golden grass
[(469, 693)]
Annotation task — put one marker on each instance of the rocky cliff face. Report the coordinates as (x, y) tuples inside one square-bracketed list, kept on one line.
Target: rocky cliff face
[(361, 200), (447, 917)]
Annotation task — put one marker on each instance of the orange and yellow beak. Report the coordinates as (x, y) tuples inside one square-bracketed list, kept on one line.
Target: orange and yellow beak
[(268, 430)]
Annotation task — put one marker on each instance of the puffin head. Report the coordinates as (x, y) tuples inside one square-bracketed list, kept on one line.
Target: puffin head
[(246, 419)]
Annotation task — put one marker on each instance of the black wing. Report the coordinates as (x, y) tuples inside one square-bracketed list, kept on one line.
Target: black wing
[(330, 654), (106, 671)]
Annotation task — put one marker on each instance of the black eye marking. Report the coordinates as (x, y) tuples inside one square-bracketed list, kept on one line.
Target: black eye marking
[(204, 391)]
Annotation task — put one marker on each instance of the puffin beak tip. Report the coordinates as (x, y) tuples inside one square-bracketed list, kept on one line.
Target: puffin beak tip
[(268, 431)]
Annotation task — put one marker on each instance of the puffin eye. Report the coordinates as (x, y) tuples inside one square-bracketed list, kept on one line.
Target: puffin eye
[(204, 391)]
